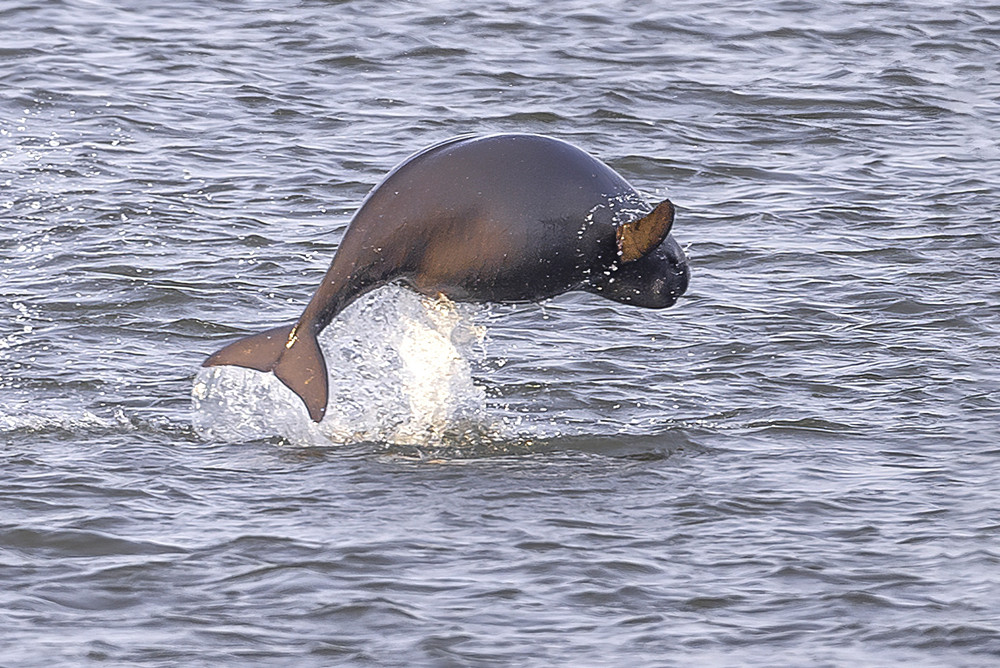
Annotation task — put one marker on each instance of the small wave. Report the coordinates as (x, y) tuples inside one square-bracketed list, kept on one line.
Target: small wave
[(74, 422), (78, 543), (24, 418)]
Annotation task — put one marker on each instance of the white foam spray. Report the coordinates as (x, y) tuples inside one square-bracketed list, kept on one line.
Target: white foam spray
[(400, 372)]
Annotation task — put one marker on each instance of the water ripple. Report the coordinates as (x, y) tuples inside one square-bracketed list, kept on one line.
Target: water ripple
[(798, 460)]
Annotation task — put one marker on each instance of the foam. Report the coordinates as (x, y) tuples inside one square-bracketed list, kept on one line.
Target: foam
[(400, 372)]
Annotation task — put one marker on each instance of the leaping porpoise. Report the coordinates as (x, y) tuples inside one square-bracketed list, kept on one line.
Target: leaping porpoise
[(501, 218)]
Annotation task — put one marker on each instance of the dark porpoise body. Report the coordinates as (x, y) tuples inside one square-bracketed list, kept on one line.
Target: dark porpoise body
[(501, 218)]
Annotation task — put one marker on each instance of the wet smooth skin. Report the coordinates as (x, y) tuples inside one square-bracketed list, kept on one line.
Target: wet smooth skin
[(505, 218)]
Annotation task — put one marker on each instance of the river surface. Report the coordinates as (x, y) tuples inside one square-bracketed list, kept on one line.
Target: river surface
[(798, 464)]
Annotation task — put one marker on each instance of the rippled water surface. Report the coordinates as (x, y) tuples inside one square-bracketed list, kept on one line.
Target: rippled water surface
[(796, 465)]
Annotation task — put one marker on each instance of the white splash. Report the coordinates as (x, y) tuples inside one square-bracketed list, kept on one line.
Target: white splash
[(24, 416), (399, 372)]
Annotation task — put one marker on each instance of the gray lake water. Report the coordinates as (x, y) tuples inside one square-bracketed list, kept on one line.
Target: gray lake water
[(796, 465)]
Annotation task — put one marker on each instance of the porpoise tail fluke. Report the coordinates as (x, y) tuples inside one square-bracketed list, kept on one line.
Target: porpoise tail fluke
[(292, 353)]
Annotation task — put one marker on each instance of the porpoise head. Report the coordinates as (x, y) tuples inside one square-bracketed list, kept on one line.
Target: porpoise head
[(651, 270)]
